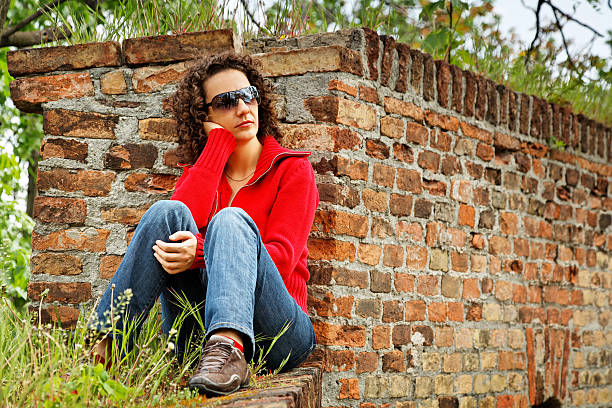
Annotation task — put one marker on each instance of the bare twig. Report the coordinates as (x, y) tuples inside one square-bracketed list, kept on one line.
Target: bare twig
[(450, 33), (251, 16), (570, 18), (536, 37), (565, 45)]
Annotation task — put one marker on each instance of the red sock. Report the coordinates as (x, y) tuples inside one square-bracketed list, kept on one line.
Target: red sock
[(236, 344)]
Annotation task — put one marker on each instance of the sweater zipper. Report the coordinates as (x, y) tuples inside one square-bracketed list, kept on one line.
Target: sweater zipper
[(262, 174)]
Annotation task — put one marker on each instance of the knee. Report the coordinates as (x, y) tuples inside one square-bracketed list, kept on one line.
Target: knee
[(230, 216), (165, 209)]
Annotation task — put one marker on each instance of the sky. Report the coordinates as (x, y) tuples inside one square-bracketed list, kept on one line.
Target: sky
[(515, 15)]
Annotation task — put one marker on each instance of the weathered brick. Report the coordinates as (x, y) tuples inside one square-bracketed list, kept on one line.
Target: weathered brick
[(445, 122), (377, 149), (64, 58), (383, 175), (124, 215), (60, 210), (400, 205), (150, 183), (403, 153), (392, 127), (29, 93), (407, 109), (64, 149), (65, 316), (66, 292), (339, 110), (393, 311), (374, 200), (63, 122), (393, 361), (337, 85), (152, 79), (429, 160), (130, 156), (113, 83), (416, 133), (186, 46), (339, 335), (329, 249), (349, 389), (56, 264), (368, 94), (89, 239), (330, 58), (108, 266), (369, 253), (161, 129)]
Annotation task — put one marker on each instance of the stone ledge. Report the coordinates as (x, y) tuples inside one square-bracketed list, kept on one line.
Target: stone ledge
[(298, 388), (66, 58)]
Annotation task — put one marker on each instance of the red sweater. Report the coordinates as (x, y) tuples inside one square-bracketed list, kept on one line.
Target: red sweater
[(281, 197)]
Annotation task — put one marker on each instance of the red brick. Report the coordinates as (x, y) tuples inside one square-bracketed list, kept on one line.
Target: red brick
[(65, 292), (333, 109), (448, 123), (339, 335), (440, 141), (367, 362), (92, 183), (75, 57), (187, 46), (461, 190), (374, 200), (485, 152), (471, 289), (474, 313), (404, 282), (403, 153), (326, 304), (443, 77), (381, 337), (437, 312), (348, 277), (416, 257), (429, 160), (160, 129), (130, 156), (380, 282), (426, 332), (393, 311), (90, 239), (64, 149), (400, 205), (337, 85), (331, 249), (368, 94), (409, 180), (393, 256), (467, 215), (416, 133), (150, 183), (455, 311), (60, 210), (407, 109), (108, 265), (428, 285), (503, 290), (354, 169), (392, 127), (377, 149), (499, 245), (123, 215), (451, 165), (508, 223), (434, 187), (476, 133), (506, 142), (409, 231), (349, 388), (393, 361), (383, 175), (315, 137), (401, 335), (65, 316), (459, 261), (28, 93), (338, 360), (368, 308), (56, 264)]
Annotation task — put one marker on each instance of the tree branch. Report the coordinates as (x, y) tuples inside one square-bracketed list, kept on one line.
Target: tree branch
[(570, 18), (537, 31), (14, 28), (248, 12), (30, 38), (565, 45)]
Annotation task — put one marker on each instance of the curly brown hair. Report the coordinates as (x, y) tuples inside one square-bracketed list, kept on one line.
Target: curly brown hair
[(187, 104)]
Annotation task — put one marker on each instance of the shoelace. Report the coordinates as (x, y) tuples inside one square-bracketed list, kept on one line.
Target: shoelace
[(214, 356)]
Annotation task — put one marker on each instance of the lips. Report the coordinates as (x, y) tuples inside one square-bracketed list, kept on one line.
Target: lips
[(245, 123)]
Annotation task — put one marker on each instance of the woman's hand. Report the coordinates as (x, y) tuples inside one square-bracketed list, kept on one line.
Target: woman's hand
[(208, 126), (176, 257)]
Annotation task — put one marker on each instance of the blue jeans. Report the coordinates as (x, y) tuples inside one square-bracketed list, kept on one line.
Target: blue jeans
[(239, 289)]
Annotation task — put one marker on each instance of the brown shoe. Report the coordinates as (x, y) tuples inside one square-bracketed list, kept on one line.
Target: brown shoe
[(222, 368)]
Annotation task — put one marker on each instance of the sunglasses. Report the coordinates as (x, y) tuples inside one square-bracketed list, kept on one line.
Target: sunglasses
[(229, 100)]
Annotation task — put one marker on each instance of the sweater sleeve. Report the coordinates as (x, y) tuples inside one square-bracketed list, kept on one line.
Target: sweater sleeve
[(197, 186), (291, 217)]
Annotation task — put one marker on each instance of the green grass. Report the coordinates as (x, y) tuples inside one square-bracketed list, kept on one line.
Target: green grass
[(47, 366)]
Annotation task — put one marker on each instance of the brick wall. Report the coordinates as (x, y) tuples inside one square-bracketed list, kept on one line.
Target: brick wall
[(456, 260)]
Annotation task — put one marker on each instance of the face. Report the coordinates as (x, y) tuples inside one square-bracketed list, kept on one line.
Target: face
[(243, 119)]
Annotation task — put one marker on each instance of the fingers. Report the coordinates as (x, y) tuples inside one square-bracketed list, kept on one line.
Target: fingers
[(181, 236), (208, 126), (176, 257), (170, 267)]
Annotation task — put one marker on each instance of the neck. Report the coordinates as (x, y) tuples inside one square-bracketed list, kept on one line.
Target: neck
[(243, 160)]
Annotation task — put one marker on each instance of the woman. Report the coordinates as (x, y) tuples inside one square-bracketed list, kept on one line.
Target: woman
[(234, 233)]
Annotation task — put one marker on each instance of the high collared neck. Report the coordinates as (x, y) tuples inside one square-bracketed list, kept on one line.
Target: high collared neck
[(272, 152)]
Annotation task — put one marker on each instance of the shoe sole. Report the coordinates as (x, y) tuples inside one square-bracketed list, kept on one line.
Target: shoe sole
[(207, 390)]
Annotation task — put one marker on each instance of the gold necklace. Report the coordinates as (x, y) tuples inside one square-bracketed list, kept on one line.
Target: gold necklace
[(239, 180)]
